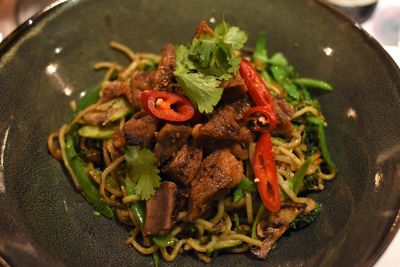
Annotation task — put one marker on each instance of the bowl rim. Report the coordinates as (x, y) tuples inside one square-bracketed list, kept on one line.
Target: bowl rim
[(18, 32)]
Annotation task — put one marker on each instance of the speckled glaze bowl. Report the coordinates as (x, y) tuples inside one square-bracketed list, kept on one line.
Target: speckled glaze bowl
[(44, 221)]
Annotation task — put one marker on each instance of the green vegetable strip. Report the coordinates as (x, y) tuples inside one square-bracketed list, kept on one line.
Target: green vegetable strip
[(291, 89), (316, 121), (278, 59), (296, 182), (236, 220), (138, 208), (90, 98), (156, 258), (260, 214), (266, 76), (280, 75), (88, 189), (324, 149), (96, 132), (237, 194), (298, 177), (260, 52), (313, 83), (245, 185), (165, 240)]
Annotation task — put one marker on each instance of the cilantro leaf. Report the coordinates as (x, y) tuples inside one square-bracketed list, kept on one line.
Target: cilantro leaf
[(203, 90), (210, 59), (235, 37), (142, 170)]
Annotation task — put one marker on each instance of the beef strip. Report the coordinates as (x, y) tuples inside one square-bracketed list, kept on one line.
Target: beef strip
[(118, 139), (138, 131), (203, 29), (143, 80), (113, 90), (139, 82), (184, 166), (241, 105), (170, 139), (234, 88), (273, 225), (283, 113), (165, 71), (240, 151), (161, 210), (218, 173), (93, 155), (223, 126)]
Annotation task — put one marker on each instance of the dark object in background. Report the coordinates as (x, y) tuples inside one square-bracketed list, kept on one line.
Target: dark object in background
[(359, 10)]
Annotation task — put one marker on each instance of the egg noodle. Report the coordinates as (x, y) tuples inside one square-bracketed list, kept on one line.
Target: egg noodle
[(229, 226)]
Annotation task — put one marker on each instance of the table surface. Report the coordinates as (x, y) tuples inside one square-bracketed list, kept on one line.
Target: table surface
[(384, 25)]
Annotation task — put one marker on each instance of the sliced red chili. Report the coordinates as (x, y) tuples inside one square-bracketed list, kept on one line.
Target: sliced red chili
[(261, 119), (265, 170), (255, 84), (167, 106)]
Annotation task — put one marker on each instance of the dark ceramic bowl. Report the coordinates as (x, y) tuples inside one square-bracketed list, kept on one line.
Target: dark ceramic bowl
[(46, 222)]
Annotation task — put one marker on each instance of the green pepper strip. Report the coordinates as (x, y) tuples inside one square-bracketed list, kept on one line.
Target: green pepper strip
[(245, 185), (298, 177), (324, 148), (316, 121), (90, 98), (280, 75), (260, 52), (313, 83), (237, 194), (156, 258), (139, 211), (296, 182), (88, 189), (164, 241), (260, 214)]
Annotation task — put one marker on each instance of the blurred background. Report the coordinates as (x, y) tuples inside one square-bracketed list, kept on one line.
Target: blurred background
[(380, 18)]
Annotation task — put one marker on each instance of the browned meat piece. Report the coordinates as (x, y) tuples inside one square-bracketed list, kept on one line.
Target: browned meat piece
[(143, 81), (283, 114), (165, 71), (273, 225), (161, 210), (184, 166), (93, 155), (95, 117), (118, 139), (234, 88), (138, 83), (218, 173), (223, 127), (140, 130), (113, 90), (203, 29), (241, 105), (239, 151), (170, 140)]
